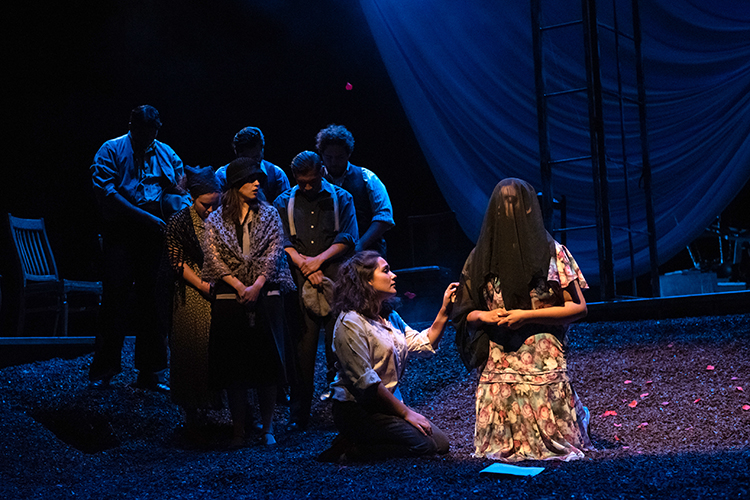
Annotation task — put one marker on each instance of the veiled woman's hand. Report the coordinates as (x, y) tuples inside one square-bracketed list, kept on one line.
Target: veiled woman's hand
[(514, 319), (493, 317)]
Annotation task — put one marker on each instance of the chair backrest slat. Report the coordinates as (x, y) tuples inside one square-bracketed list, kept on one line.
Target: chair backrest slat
[(34, 252)]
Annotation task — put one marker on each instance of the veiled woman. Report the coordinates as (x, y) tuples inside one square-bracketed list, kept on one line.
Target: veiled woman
[(245, 258), (519, 291)]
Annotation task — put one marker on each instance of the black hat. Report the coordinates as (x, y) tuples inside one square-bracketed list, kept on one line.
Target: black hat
[(244, 170)]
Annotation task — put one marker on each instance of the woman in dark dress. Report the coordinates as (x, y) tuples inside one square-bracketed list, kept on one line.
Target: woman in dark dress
[(190, 305), (245, 259)]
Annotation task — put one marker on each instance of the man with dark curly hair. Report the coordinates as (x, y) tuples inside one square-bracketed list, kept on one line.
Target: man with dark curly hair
[(371, 202)]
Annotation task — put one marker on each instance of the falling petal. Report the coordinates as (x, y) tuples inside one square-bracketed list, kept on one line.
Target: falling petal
[(348, 86), (710, 367), (608, 413), (669, 345), (628, 382), (641, 426), (697, 400), (649, 381), (665, 403), (644, 395), (633, 404), (734, 378), (409, 295), (746, 407), (740, 389), (617, 425)]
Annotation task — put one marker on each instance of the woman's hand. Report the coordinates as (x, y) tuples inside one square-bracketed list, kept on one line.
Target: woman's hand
[(493, 317), (449, 296), (250, 294), (515, 318), (418, 421), (205, 289)]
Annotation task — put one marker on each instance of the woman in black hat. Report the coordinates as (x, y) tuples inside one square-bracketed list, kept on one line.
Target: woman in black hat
[(245, 259)]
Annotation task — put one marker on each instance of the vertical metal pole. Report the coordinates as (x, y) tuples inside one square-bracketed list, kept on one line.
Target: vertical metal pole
[(598, 153), (541, 116), (650, 219), (633, 281)]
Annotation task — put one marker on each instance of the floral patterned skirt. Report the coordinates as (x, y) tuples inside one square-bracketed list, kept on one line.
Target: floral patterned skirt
[(526, 408)]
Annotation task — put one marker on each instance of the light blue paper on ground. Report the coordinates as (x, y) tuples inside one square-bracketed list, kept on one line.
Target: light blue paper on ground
[(511, 470)]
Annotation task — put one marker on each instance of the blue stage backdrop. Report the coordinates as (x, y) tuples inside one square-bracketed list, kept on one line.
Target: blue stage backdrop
[(465, 75)]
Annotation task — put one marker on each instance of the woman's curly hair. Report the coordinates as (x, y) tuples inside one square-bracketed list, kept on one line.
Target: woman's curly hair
[(353, 291)]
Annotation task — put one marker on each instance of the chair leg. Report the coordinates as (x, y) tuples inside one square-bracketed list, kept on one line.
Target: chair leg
[(65, 316), (21, 314)]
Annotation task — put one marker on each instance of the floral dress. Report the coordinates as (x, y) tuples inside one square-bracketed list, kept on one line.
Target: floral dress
[(526, 408)]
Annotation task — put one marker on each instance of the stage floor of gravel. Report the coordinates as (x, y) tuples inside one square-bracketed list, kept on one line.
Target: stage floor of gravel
[(669, 401)]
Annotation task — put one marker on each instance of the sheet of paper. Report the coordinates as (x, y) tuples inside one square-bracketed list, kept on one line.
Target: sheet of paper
[(511, 470)]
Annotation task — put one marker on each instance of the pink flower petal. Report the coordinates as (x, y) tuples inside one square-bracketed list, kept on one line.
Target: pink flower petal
[(734, 378), (670, 345), (633, 404), (628, 382), (409, 295), (746, 407), (740, 389), (697, 400), (644, 395), (608, 413), (617, 425), (641, 426), (626, 447), (665, 403), (649, 382), (710, 367), (348, 86)]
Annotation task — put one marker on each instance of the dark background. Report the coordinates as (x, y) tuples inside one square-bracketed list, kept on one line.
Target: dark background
[(73, 71)]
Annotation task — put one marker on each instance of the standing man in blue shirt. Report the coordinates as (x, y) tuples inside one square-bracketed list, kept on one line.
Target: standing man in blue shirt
[(250, 143), (133, 177), (374, 211), (320, 231)]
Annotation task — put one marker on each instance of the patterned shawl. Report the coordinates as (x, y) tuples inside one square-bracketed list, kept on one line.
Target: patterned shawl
[(223, 252)]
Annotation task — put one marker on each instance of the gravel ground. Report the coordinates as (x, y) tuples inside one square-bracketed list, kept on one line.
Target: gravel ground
[(670, 419)]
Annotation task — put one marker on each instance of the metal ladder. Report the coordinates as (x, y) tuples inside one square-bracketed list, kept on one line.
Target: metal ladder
[(595, 94)]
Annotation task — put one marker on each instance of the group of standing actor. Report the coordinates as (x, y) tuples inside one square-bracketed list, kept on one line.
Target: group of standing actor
[(231, 263), (256, 268)]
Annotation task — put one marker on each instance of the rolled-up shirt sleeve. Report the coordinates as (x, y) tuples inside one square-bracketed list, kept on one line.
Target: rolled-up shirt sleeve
[(380, 202), (104, 173), (417, 342), (348, 230), (351, 346)]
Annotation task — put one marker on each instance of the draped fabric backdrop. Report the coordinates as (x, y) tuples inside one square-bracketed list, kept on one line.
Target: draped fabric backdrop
[(464, 72)]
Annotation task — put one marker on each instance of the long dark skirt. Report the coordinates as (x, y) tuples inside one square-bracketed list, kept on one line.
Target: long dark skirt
[(243, 348)]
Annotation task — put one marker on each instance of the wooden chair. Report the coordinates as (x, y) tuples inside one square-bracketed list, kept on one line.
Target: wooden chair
[(39, 277)]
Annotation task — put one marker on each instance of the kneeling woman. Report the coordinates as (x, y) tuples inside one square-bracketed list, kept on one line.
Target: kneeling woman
[(245, 258), (371, 343), (520, 290)]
